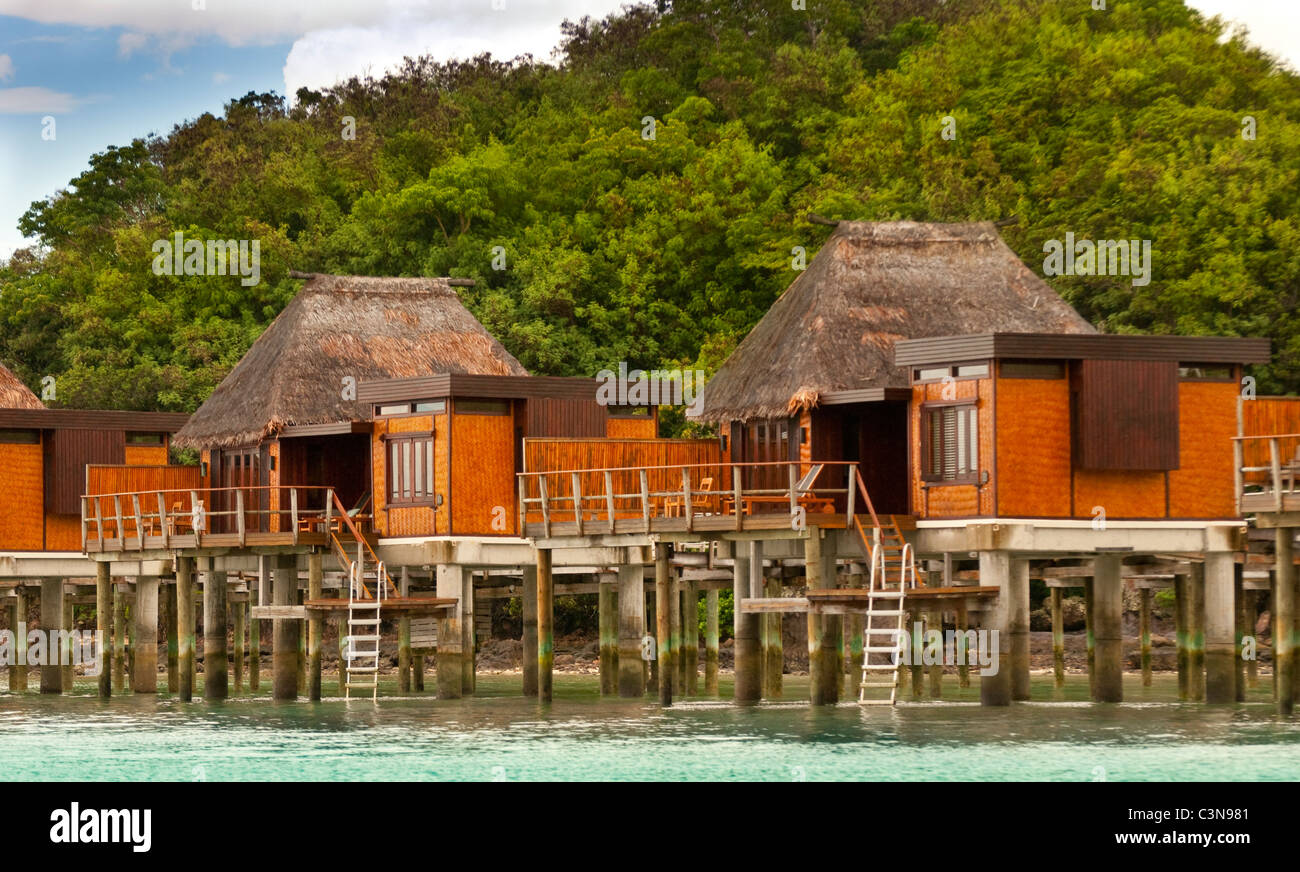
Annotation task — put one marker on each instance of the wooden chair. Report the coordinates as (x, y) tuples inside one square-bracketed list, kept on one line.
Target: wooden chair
[(675, 506)]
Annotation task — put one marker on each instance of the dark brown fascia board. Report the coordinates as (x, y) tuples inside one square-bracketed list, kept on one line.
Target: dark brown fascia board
[(443, 385), (92, 419), (865, 395), (341, 428), (1081, 346)]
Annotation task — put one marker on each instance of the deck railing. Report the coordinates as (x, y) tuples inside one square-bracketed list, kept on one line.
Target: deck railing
[(153, 518), (1266, 472), (705, 495)]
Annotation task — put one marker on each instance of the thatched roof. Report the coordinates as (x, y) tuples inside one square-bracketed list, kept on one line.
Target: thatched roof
[(14, 394), (870, 285), (340, 327)]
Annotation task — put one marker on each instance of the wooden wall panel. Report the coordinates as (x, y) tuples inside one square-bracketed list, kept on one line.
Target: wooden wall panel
[(483, 474), (67, 452), (1033, 448), (552, 416), (145, 455), (1122, 493), (631, 428), (22, 509), (953, 500), (1266, 416), (1202, 485), (412, 520), (1125, 414), (63, 532)]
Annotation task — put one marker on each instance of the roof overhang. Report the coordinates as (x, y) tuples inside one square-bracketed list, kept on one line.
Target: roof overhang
[(440, 385), (338, 428), (92, 419), (865, 395), (1081, 346)]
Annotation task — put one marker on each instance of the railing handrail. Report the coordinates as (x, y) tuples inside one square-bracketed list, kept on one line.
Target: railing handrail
[(381, 574), (186, 490), (704, 464), (1269, 436)]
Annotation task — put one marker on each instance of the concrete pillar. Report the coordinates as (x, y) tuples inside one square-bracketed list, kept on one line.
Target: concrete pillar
[(819, 659), (748, 686), (119, 637), (1144, 633), (1239, 630), (239, 613), (18, 622), (51, 622), (144, 659), (65, 653), (404, 654), (315, 590), (529, 603), (255, 646), (103, 627), (1108, 604), (1220, 629), (607, 622), (631, 629), (545, 626), (284, 631), (1180, 632), (1284, 614), (451, 639), (664, 623), (171, 627), (995, 571), (691, 637), (185, 624), (1058, 637), (711, 642), (216, 664), (1196, 633), (773, 645)]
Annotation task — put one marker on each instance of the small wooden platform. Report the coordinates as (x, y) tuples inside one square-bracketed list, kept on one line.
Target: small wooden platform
[(700, 523), (216, 541), (842, 600), (409, 606)]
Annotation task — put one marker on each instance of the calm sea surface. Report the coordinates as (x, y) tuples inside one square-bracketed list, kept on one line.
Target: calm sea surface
[(499, 735)]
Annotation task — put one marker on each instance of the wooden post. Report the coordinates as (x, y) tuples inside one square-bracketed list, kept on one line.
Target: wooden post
[(65, 652), (528, 599), (103, 626), (404, 654), (812, 559), (315, 583), (216, 664), (255, 643), (1090, 635), (962, 647), (144, 642), (1144, 632), (1284, 614), (691, 637), (773, 645), (299, 597), (664, 623), (1180, 632), (1196, 633), (934, 673), (1251, 598), (119, 638), (545, 626), (185, 627), (1058, 638), (748, 684), (1107, 599), (341, 631), (631, 629), (469, 633), (239, 613), (679, 635), (18, 621), (417, 672), (1239, 630), (51, 623), (608, 626), (711, 642), (171, 629), (1221, 640), (284, 632), (451, 673)]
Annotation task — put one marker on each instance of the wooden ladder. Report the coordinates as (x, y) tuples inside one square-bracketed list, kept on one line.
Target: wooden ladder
[(886, 628), (361, 649)]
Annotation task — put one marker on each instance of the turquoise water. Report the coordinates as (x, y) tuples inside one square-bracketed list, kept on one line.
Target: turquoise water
[(499, 735)]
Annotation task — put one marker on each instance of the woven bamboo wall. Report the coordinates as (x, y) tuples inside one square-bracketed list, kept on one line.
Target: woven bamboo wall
[(24, 498), (483, 474), (1033, 439), (1202, 485)]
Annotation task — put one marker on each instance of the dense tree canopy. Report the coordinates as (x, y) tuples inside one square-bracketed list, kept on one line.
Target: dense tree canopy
[(640, 200)]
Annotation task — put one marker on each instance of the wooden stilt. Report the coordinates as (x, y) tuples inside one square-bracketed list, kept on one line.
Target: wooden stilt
[(607, 625), (51, 620), (1144, 633), (185, 627), (1058, 637), (417, 673), (664, 623), (341, 632), (1196, 633), (1090, 633), (451, 639), (239, 614), (1252, 617), (18, 620), (691, 635), (255, 647), (631, 629), (934, 621), (284, 631), (144, 666), (748, 684), (65, 654), (315, 585), (774, 646), (1284, 615), (1180, 634), (103, 627), (529, 603), (1240, 632), (119, 639), (711, 642), (302, 645), (545, 626), (1107, 601), (216, 658), (404, 655)]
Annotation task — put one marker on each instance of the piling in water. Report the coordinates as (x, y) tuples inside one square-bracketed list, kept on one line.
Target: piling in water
[(664, 623), (607, 625), (144, 660), (631, 629), (119, 638), (545, 626), (1144, 633), (1058, 638), (216, 675), (315, 583), (748, 684), (239, 612), (1284, 615), (255, 646), (18, 666), (451, 672), (185, 624), (1180, 633), (529, 603), (711, 642), (404, 654), (1220, 629), (773, 646), (1107, 602), (51, 619), (1196, 633), (103, 625), (284, 632)]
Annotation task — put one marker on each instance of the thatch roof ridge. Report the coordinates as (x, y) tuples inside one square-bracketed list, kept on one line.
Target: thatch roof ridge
[(14, 394), (337, 327), (871, 284)]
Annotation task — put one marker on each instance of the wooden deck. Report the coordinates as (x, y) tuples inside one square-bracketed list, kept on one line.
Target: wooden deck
[(409, 607), (215, 541), (845, 600), (697, 523)]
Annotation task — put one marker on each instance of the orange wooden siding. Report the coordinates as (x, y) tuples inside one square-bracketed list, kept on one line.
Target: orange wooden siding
[(1266, 416), (145, 455), (409, 520), (1033, 439), (483, 475), (631, 428), (954, 500), (1202, 486), (22, 508)]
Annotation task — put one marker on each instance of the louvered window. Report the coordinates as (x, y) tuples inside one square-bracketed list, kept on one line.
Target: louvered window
[(410, 470), (951, 443)]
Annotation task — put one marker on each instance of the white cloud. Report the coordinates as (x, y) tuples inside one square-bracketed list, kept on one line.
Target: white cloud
[(6, 68), (130, 43), (1272, 26), (218, 78), (30, 101)]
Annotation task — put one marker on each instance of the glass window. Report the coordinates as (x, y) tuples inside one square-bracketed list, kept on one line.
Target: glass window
[(934, 373), (397, 409), (144, 438), (952, 440), (25, 437), (1205, 371), (410, 469), (483, 407), (973, 370), (435, 407), (1032, 369)]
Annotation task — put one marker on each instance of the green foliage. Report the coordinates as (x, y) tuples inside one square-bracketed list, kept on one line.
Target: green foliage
[(664, 252)]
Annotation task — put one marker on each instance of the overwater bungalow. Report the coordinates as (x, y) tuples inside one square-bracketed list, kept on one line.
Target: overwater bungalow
[(916, 427)]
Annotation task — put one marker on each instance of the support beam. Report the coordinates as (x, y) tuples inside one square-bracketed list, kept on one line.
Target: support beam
[(664, 624), (1284, 615), (299, 596), (711, 642), (451, 640), (284, 632), (119, 637), (239, 617), (171, 627), (854, 625), (820, 661), (185, 625), (748, 685), (691, 637), (103, 626), (1058, 637), (216, 663), (1252, 618), (1090, 634), (51, 621), (832, 674), (1180, 634), (341, 632), (1196, 633), (631, 629), (404, 655), (529, 602), (417, 672), (545, 626), (1107, 602), (607, 623), (1239, 630), (934, 673), (1144, 633), (315, 582), (144, 641), (255, 645), (1220, 628)]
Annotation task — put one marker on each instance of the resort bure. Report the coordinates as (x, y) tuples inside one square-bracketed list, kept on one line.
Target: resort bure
[(916, 429)]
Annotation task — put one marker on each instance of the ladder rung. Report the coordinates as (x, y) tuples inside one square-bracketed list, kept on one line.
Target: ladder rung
[(352, 669), (370, 638), (358, 622)]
